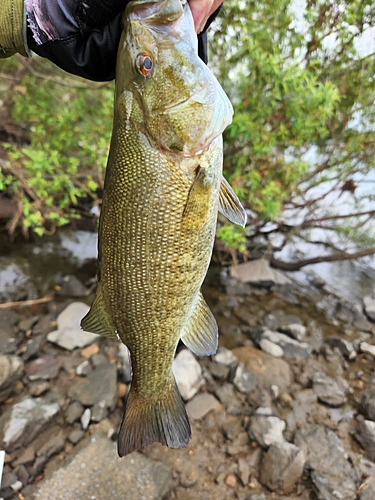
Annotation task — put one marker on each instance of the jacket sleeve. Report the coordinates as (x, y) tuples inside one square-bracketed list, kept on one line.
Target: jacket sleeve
[(12, 28)]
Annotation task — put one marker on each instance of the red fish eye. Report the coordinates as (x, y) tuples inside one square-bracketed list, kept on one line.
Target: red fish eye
[(145, 64)]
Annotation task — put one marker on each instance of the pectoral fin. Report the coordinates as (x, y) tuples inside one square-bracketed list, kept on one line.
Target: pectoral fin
[(197, 206), (230, 205), (98, 320), (201, 332)]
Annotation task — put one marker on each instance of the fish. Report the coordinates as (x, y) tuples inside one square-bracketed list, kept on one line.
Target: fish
[(162, 192)]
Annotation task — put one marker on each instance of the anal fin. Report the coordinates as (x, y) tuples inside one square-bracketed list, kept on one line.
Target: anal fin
[(201, 332), (98, 319), (229, 204)]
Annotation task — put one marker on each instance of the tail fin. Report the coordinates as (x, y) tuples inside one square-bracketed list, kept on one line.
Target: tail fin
[(160, 419)]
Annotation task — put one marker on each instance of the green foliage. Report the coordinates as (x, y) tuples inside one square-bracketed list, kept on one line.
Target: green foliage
[(69, 125), (297, 87)]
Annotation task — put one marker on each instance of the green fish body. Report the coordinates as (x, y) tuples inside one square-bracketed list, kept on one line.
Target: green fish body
[(163, 188)]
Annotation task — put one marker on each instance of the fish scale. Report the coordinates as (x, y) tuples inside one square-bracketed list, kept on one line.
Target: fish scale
[(162, 191)]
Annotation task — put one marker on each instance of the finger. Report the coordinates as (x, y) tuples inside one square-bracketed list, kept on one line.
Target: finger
[(201, 10)]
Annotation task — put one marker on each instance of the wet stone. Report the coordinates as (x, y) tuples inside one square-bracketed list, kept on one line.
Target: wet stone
[(327, 390), (69, 334), (23, 422), (74, 412), (45, 368), (201, 404), (266, 429), (92, 475), (188, 374), (366, 437), (219, 371), (282, 466), (100, 384)]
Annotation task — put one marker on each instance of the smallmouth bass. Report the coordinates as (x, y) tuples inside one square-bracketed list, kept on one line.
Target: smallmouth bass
[(163, 188)]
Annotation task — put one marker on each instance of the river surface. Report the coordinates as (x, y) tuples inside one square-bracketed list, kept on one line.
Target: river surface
[(28, 269)]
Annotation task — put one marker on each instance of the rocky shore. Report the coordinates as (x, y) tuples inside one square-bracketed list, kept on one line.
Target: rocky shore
[(284, 410)]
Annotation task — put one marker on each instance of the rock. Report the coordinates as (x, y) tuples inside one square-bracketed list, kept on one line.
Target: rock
[(51, 447), (266, 429), (227, 396), (69, 334), (8, 479), (33, 347), (27, 456), (292, 349), (98, 359), (225, 357), (74, 412), (244, 381), (366, 436), (266, 369), (344, 346), (11, 369), (202, 404), (244, 471), (327, 390), (70, 286), (278, 320), (271, 348), (331, 473), (100, 384), (368, 404), (86, 417), (44, 368), (89, 351), (367, 348), (99, 411), (76, 436), (84, 368), (46, 324), (239, 444), (219, 371), (93, 475), (8, 319), (39, 388), (231, 481), (188, 374), (282, 466), (25, 420), (369, 306), (367, 489), (124, 355), (26, 324), (257, 272), (294, 330)]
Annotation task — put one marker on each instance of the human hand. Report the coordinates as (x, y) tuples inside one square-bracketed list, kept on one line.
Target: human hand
[(202, 10)]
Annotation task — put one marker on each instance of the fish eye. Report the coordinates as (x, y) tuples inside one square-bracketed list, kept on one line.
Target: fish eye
[(145, 64)]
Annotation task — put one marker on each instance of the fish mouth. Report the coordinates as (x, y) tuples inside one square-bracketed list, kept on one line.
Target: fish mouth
[(156, 11)]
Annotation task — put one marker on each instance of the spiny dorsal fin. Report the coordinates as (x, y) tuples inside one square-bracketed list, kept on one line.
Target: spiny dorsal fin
[(98, 320), (200, 334), (230, 205), (159, 418)]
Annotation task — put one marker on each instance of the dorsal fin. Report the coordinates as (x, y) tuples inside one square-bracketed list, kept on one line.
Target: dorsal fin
[(201, 333), (229, 204)]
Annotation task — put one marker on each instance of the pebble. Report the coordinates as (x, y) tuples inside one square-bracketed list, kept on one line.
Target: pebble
[(188, 374), (69, 334), (227, 396), (225, 357), (367, 489), (282, 466), (266, 429), (366, 436), (89, 351), (367, 348), (345, 347), (271, 348), (39, 388), (69, 286), (74, 412), (84, 368), (327, 390), (231, 481), (85, 418), (45, 325), (292, 349), (122, 389), (26, 324), (76, 435), (201, 404), (99, 411), (11, 370), (124, 355), (294, 330), (43, 368), (369, 306), (26, 456), (33, 347), (100, 384), (244, 471), (98, 359), (219, 371), (244, 381), (368, 404)]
